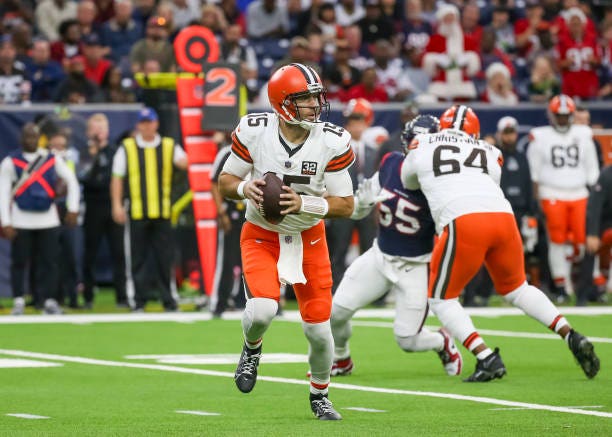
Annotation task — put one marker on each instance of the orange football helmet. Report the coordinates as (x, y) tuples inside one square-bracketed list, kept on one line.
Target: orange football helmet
[(461, 117), (362, 107), (292, 82), (561, 110)]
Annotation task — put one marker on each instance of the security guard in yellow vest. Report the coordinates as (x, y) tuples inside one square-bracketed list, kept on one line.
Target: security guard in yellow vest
[(140, 190)]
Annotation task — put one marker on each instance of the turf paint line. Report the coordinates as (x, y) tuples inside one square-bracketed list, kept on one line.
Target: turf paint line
[(197, 413), (19, 363), (206, 359), (387, 313), (165, 368), (517, 408), (27, 416), (365, 410), (491, 332)]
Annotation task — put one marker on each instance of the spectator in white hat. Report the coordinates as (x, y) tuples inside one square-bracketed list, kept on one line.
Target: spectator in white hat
[(499, 86), (451, 59)]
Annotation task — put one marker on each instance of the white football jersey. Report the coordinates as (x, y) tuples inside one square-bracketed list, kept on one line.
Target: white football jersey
[(374, 136), (258, 143), (563, 164), (458, 175)]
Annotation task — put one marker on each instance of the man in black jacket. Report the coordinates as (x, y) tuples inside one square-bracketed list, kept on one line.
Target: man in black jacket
[(231, 216), (599, 232), (98, 224)]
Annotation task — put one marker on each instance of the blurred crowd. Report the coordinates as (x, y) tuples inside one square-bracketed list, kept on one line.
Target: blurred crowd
[(497, 51)]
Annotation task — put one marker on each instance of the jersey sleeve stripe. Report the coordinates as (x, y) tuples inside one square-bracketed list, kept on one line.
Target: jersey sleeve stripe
[(339, 158), (240, 150), (341, 162)]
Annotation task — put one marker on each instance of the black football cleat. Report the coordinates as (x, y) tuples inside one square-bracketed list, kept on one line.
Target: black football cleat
[(246, 372), (584, 352), (488, 369), (322, 408)]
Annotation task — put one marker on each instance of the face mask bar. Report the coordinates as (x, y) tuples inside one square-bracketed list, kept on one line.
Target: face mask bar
[(321, 110)]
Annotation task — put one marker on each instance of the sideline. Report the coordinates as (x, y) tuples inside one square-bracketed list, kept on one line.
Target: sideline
[(387, 313), (165, 368)]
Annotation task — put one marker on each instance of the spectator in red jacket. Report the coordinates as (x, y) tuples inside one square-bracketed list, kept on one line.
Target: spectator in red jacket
[(95, 64), (105, 10), (490, 53), (470, 15), (338, 74), (560, 21), (526, 29), (368, 88), (579, 56), (69, 44)]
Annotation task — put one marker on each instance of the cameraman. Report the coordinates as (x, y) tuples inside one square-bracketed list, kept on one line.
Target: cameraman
[(98, 223)]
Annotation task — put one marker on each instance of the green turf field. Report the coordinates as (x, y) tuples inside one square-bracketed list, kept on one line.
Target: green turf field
[(138, 377)]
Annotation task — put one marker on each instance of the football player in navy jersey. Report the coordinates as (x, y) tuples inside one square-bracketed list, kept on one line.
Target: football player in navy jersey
[(398, 260)]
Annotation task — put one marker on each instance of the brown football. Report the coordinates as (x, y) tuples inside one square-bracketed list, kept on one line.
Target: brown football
[(270, 209)]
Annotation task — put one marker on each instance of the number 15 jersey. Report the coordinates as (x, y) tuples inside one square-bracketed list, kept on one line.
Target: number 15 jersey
[(259, 148), (458, 174)]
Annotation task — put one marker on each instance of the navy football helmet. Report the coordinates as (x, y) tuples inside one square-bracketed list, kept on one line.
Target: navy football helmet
[(422, 124)]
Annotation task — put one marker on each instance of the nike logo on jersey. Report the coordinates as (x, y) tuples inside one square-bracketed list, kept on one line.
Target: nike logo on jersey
[(313, 242)]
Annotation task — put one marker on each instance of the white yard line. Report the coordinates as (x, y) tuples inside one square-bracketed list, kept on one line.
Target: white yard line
[(517, 408), (237, 315), (27, 416), (491, 332), (165, 368), (365, 410), (197, 413), (292, 316)]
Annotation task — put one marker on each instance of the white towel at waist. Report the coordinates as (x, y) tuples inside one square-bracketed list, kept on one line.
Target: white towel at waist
[(290, 259)]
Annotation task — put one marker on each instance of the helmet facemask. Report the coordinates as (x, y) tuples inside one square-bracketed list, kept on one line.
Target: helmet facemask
[(294, 113), (561, 122), (561, 112)]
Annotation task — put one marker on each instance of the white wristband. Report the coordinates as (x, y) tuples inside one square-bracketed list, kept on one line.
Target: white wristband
[(313, 205), (240, 189)]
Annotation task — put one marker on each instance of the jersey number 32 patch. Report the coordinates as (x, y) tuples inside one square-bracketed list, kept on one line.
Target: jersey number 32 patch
[(309, 168)]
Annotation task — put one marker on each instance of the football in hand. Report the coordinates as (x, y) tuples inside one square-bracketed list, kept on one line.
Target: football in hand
[(270, 208)]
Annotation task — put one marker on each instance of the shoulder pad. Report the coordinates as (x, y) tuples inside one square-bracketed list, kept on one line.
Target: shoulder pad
[(582, 130), (384, 159), (391, 159), (335, 137), (537, 132), (374, 136), (252, 125)]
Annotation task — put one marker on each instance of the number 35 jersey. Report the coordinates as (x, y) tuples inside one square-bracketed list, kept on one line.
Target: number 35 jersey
[(563, 164), (257, 142), (458, 175)]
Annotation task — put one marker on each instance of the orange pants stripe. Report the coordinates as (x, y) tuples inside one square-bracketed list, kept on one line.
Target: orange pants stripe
[(468, 242), (565, 220), (260, 250)]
